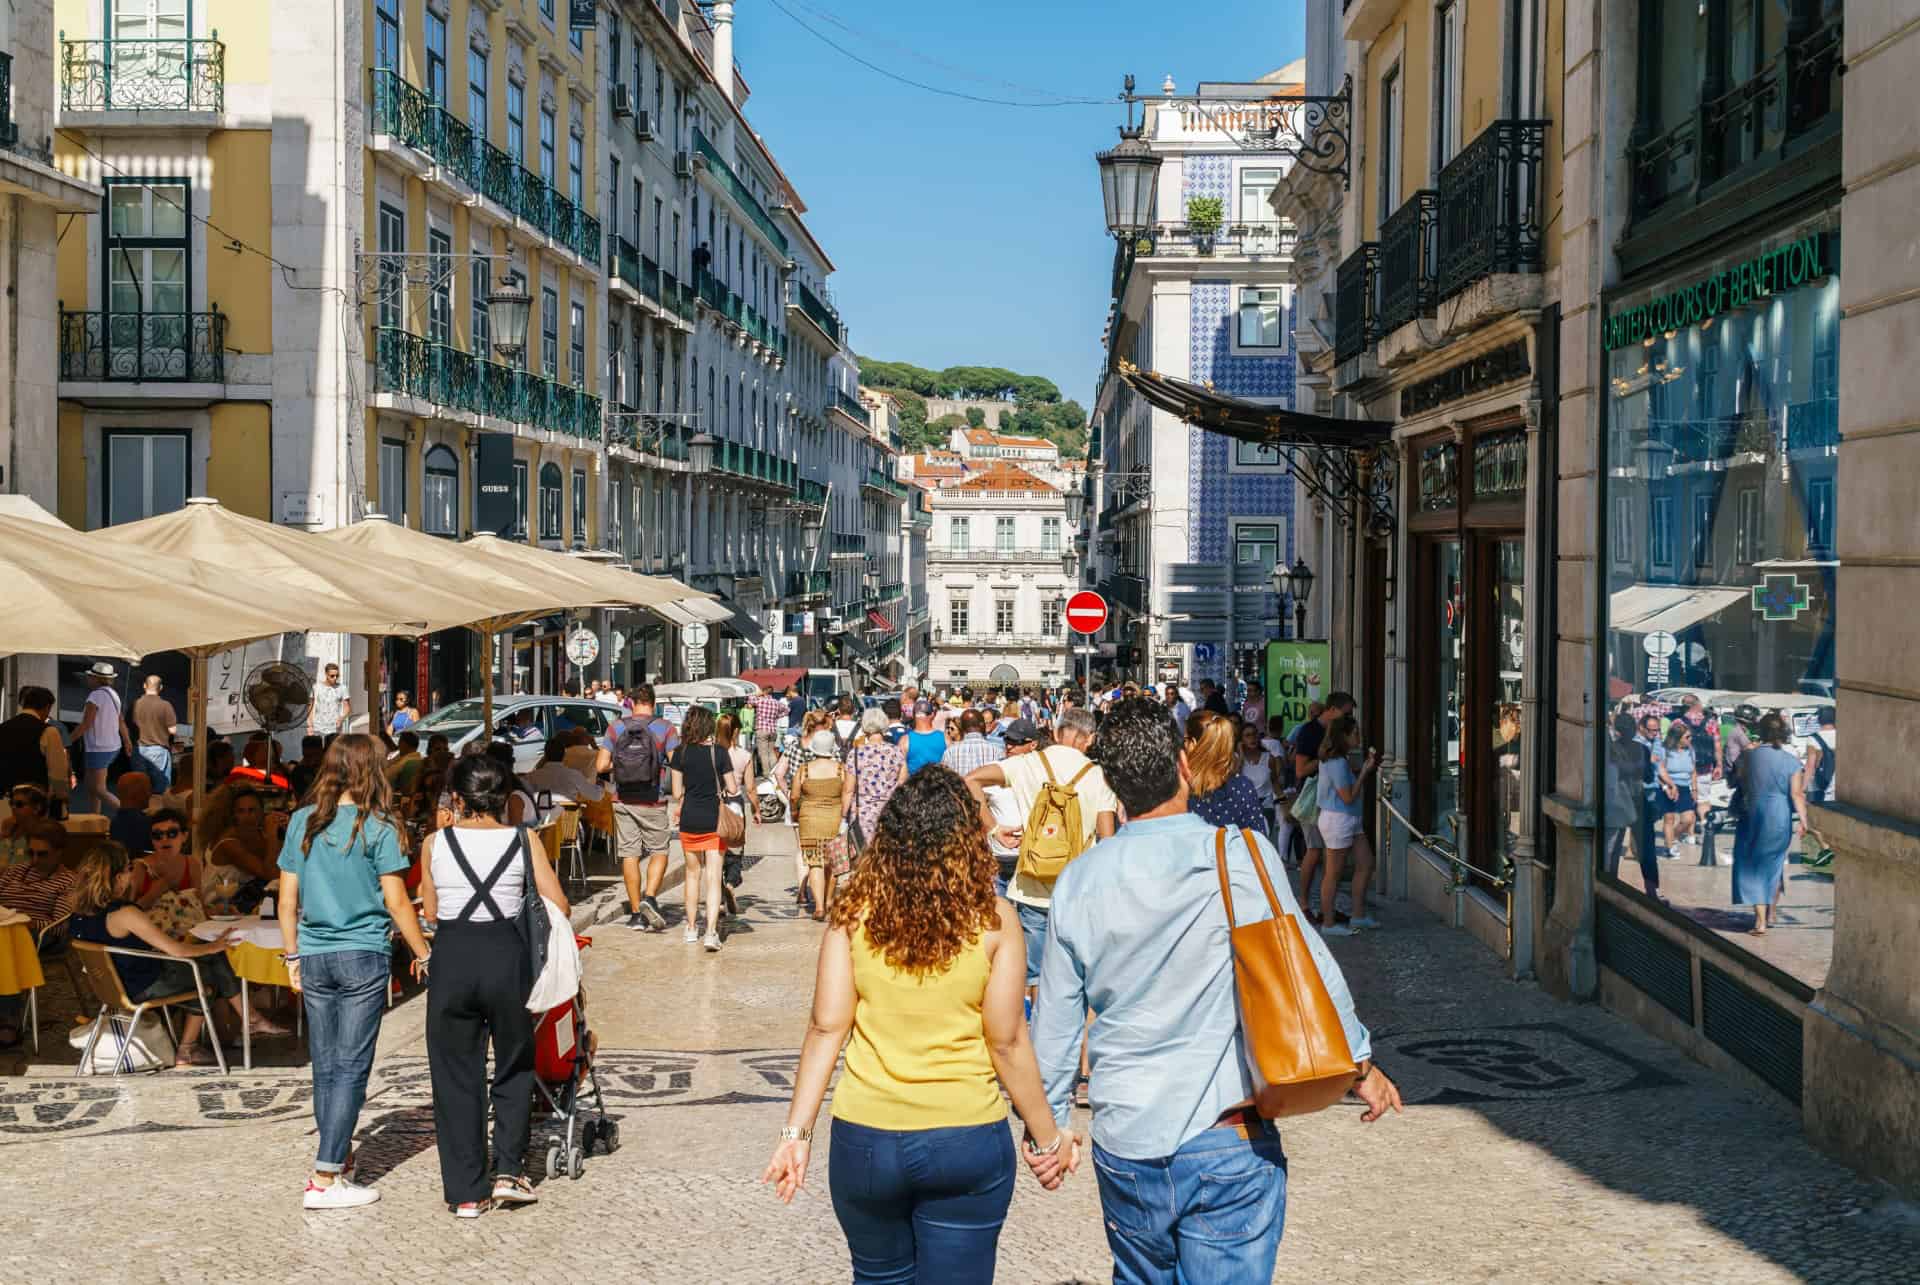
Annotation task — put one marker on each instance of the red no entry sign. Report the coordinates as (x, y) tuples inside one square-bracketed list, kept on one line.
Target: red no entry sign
[(1086, 612)]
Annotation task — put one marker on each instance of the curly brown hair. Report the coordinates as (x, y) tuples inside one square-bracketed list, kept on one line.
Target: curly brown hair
[(924, 887)]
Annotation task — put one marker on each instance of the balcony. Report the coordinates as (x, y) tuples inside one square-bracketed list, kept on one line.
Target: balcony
[(747, 463), (404, 114), (749, 204), (811, 492), (809, 584), (411, 366), (1130, 592), (624, 270), (144, 347), (879, 480), (1407, 241), (1257, 240), (1489, 207), (1355, 283), (186, 75), (823, 316), (850, 406), (963, 553), (988, 641)]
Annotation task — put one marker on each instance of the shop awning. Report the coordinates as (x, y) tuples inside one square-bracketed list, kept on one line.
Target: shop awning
[(778, 679), (744, 627), (706, 610), (674, 613), (879, 621), (851, 641), (1208, 408), (1662, 608)]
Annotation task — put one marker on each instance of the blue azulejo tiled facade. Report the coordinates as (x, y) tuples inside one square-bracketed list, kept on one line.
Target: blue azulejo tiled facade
[(1223, 494)]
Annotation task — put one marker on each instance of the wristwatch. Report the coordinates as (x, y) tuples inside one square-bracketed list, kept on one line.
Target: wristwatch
[(796, 1133)]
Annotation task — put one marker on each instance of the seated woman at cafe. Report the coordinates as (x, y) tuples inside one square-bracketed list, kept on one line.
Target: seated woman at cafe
[(169, 867), (104, 912), (249, 842), (37, 889), (29, 803)]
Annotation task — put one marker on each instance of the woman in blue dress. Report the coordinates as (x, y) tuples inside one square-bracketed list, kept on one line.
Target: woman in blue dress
[(1773, 799)]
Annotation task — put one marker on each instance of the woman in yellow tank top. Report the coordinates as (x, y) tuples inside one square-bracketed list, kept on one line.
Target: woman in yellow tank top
[(924, 967)]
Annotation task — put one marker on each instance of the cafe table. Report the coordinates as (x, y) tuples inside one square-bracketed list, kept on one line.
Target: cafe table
[(254, 954), (20, 966)]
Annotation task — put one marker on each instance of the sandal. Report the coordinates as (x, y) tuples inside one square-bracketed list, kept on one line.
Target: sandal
[(194, 1054)]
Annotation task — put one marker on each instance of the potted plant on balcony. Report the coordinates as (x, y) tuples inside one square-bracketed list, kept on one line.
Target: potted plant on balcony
[(1204, 215)]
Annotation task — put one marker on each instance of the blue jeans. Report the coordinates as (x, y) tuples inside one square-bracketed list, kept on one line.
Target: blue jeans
[(922, 1205), (1033, 927), (159, 761), (346, 994), (1209, 1214)]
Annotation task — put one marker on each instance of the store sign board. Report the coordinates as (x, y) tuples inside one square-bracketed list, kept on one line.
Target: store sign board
[(1786, 267), (1297, 674), (581, 14)]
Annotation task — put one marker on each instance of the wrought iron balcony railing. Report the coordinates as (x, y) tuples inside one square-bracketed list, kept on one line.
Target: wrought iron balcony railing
[(1259, 239), (188, 74), (1355, 290), (744, 198), (144, 347), (847, 404), (623, 261), (1407, 244), (817, 311), (967, 553), (1490, 205), (413, 366), (809, 584)]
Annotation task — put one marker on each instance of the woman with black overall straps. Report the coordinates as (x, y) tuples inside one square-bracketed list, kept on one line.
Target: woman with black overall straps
[(473, 881)]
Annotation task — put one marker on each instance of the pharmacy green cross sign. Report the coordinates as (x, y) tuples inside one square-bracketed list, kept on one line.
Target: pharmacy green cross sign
[(1781, 598)]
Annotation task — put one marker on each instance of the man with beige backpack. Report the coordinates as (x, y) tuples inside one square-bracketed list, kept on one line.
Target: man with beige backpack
[(1067, 806)]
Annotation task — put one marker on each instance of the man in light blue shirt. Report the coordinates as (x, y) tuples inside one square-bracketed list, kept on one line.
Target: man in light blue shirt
[(1139, 936)]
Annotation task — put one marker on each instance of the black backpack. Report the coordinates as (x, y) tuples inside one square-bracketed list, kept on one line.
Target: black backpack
[(1823, 771), (637, 756)]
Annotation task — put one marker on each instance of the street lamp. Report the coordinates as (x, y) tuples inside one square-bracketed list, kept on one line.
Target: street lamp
[(1129, 181), (508, 305), (810, 526), (1297, 580), (700, 453), (1076, 498)]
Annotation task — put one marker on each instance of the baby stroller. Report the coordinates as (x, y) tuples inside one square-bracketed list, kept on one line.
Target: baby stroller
[(563, 1050)]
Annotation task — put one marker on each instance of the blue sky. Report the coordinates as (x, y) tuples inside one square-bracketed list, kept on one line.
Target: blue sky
[(966, 233)]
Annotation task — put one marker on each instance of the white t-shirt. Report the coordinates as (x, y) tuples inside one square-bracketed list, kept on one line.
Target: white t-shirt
[(484, 850), (103, 736), (1006, 816), (329, 704), (1025, 775), (1261, 775)]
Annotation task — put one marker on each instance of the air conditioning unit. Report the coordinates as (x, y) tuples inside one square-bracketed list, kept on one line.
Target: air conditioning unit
[(643, 125), (622, 101), (683, 164)]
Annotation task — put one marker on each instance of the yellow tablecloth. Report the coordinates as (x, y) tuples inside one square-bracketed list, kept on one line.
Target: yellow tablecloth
[(257, 964), (19, 962)]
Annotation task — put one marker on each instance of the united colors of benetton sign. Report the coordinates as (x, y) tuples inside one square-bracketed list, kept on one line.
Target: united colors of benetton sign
[(1782, 268)]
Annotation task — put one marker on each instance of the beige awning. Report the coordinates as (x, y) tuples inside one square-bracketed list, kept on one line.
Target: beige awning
[(23, 507), (67, 592), (585, 583), (504, 598), (375, 595), (674, 613), (1658, 608), (706, 610)]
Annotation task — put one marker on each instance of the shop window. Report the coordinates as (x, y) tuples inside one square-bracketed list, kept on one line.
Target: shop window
[(1702, 642), (146, 474), (440, 493), (1439, 477), (393, 480), (549, 502), (1500, 465)]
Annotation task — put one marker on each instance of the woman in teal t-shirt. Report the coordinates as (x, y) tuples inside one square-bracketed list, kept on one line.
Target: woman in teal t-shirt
[(342, 890)]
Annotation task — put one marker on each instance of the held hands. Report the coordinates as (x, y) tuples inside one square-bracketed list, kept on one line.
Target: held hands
[(787, 1171), (1052, 1167), (293, 975)]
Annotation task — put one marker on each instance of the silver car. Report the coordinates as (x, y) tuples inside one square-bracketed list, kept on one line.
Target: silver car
[(523, 721)]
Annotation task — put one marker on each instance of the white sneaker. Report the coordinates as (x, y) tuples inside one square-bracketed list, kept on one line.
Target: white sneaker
[(693, 934), (513, 1191), (1338, 930), (340, 1195), (1364, 921), (713, 942)]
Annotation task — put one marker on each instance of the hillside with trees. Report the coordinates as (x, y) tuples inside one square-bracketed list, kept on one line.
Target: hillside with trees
[(1038, 408)]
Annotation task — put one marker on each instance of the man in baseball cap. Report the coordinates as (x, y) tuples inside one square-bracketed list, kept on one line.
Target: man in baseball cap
[(1019, 731)]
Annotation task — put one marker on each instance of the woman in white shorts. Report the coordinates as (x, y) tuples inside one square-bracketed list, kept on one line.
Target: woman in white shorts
[(1341, 792)]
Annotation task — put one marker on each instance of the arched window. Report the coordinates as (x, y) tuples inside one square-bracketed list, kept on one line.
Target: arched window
[(440, 493), (550, 501)]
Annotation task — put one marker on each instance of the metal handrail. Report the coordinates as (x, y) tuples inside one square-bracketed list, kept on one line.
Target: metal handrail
[(1445, 850)]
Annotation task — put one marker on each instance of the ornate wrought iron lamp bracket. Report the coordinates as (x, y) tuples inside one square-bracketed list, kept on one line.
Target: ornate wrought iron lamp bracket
[(1314, 130)]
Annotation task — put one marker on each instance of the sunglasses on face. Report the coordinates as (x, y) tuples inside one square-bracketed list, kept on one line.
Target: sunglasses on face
[(25, 801), (171, 832), (42, 851)]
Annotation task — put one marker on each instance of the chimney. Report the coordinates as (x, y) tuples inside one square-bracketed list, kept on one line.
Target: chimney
[(723, 46)]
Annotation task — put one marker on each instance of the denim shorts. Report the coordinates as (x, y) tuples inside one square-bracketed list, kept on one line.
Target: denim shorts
[(100, 760)]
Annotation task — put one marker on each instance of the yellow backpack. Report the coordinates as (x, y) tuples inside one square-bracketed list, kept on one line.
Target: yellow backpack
[(1054, 835)]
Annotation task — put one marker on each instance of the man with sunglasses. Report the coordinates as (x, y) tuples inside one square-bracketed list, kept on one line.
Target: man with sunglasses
[(29, 804), (37, 890)]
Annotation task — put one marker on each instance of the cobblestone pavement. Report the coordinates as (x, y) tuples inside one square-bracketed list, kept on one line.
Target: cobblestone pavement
[(1542, 1143)]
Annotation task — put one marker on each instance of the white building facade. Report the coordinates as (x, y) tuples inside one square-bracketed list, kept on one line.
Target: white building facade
[(997, 587)]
